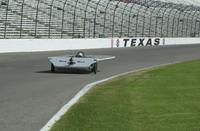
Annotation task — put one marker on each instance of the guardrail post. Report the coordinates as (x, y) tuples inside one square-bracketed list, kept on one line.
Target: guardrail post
[(63, 15), (179, 18), (196, 23), (85, 18), (144, 17), (174, 20), (50, 19), (105, 17), (129, 20), (163, 20), (199, 29), (36, 18), (187, 22), (158, 17), (116, 6), (123, 18), (146, 2), (184, 19), (95, 18), (151, 18), (169, 16), (6, 20), (192, 22), (74, 18), (21, 19)]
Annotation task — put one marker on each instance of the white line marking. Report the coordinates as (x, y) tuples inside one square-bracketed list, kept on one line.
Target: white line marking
[(66, 107)]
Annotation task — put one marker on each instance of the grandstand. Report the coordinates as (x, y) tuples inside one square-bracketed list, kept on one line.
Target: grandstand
[(27, 19)]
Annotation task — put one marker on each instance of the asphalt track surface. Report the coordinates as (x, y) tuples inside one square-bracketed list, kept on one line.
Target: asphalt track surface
[(30, 94)]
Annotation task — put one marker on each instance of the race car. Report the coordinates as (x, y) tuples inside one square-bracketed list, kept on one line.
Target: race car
[(78, 61)]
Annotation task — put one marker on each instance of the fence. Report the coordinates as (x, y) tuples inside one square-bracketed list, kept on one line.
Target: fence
[(97, 19)]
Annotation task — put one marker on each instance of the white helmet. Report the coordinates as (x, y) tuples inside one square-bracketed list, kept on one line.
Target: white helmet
[(79, 54)]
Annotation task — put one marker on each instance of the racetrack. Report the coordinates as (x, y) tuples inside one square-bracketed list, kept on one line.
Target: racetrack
[(30, 95)]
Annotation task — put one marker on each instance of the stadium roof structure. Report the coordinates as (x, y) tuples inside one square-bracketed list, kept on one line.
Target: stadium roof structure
[(99, 18)]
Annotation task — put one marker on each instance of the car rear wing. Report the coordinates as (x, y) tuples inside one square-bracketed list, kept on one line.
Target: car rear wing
[(103, 57)]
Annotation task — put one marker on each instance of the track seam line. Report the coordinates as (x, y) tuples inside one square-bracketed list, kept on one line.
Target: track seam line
[(7, 68), (66, 107)]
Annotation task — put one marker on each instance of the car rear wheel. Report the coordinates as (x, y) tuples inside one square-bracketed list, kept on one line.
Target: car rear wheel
[(52, 68), (95, 68)]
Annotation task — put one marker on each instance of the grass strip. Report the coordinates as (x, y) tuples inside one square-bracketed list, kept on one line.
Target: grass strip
[(163, 98)]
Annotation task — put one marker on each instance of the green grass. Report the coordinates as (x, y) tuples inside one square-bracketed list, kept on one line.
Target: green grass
[(160, 99)]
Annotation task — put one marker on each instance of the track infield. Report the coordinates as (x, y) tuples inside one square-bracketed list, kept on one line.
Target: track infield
[(163, 98)]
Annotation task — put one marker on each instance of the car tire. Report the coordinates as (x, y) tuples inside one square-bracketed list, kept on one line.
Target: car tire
[(95, 68), (52, 68)]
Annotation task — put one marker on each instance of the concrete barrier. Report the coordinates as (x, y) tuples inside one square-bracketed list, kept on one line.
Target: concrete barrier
[(129, 42), (35, 45)]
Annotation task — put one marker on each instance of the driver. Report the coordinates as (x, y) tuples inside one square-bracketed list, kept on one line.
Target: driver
[(80, 54)]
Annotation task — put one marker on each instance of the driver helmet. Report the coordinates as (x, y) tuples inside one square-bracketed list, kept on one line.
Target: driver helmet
[(79, 54)]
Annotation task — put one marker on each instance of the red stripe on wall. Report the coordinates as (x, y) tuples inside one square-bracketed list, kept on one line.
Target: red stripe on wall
[(111, 43)]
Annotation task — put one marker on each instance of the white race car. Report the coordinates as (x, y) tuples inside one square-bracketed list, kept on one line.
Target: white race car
[(78, 61)]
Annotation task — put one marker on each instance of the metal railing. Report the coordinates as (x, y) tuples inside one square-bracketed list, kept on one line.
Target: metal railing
[(97, 19)]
